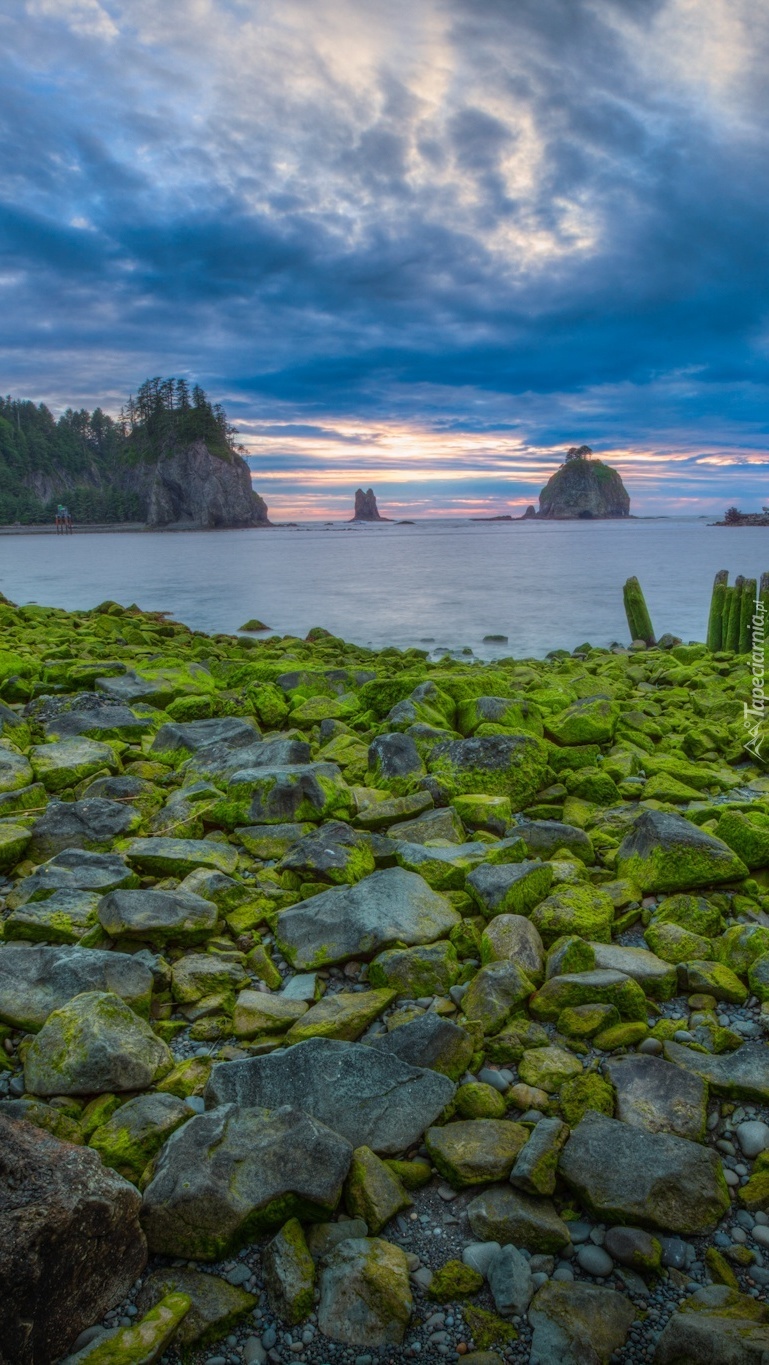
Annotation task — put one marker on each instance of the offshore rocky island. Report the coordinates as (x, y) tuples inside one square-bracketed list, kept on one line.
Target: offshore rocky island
[(356, 1007)]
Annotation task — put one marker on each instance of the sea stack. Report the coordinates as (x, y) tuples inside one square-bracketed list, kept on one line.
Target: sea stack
[(583, 489), (365, 506)]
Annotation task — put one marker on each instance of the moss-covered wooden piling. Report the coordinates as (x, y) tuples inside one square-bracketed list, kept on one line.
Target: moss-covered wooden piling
[(637, 612), (717, 603), (732, 636), (747, 612)]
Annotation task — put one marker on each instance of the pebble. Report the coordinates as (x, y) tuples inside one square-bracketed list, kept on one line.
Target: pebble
[(239, 1275), (761, 1235), (580, 1232), (753, 1138), (594, 1261)]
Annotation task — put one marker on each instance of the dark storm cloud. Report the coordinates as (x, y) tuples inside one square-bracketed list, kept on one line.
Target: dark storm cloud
[(464, 213)]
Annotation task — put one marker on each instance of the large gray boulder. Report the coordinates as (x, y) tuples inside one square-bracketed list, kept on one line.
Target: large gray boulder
[(92, 1045), (73, 869), (543, 837), (36, 979), (509, 887), (229, 731), (623, 1174), (429, 1040), (579, 1324), (223, 760), (93, 823), (372, 1099), (499, 765), (665, 852), (229, 1175), (388, 907), (158, 916), (277, 794), (502, 1214), (716, 1326), (658, 1097), (740, 1075), (70, 1242)]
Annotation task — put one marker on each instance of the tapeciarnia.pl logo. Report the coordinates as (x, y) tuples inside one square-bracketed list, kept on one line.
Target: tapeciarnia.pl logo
[(754, 713)]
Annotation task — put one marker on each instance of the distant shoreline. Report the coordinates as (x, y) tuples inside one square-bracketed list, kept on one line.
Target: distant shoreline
[(94, 528)]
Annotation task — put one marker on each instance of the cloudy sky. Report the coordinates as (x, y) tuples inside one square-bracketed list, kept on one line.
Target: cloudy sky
[(419, 244)]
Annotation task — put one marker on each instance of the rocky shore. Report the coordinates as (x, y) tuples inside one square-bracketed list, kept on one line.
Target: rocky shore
[(359, 1009)]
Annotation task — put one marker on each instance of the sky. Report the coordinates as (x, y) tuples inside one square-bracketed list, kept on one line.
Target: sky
[(422, 245)]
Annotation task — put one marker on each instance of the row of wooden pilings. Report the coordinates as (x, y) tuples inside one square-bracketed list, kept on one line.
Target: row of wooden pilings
[(732, 610)]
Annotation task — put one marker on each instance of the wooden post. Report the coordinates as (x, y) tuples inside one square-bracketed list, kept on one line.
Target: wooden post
[(717, 602), (637, 612), (732, 637), (747, 610)]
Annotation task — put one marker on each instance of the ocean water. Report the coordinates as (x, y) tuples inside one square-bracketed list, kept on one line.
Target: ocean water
[(440, 585)]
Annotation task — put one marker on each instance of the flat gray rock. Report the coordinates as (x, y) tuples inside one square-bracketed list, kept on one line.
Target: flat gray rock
[(507, 1216), (661, 1098), (228, 731), (37, 978), (221, 760), (543, 837), (388, 907), (92, 823), (373, 1099), (228, 1175), (624, 1174), (159, 916), (74, 869), (428, 1041), (657, 979), (741, 1075)]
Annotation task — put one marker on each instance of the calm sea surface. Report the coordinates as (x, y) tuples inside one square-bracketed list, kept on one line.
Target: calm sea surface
[(432, 584)]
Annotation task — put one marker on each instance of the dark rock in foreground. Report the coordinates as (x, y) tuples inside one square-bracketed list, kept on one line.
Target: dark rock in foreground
[(70, 1242)]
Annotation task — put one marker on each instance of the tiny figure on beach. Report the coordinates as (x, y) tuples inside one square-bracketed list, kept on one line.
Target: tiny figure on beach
[(63, 520)]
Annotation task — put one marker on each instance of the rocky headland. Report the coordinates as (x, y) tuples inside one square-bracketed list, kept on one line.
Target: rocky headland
[(192, 486), (359, 1008), (583, 489)]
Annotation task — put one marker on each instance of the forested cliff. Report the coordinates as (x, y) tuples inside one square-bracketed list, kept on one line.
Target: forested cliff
[(168, 459)]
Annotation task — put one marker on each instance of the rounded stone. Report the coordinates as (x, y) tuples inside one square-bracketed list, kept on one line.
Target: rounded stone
[(753, 1137), (594, 1261)]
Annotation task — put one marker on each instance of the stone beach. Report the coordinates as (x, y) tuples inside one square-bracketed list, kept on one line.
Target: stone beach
[(360, 1008)]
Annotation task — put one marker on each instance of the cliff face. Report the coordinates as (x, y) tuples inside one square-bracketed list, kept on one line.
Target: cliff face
[(584, 489), (192, 487)]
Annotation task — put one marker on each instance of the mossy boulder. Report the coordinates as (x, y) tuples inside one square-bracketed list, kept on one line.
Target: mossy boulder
[(499, 765), (137, 1131), (712, 978), (514, 938), (365, 1297), (674, 944), (476, 1100), (494, 993), (289, 1273), (70, 761), (584, 1021), (345, 1016), (430, 969), (589, 988), (475, 1151), (14, 840), (478, 811), (373, 1191), (217, 1307), (93, 1044), (695, 914), (454, 1281), (257, 1012), (740, 946), (548, 1067), (162, 857), (583, 1093), (665, 852), (511, 888), (586, 911), (747, 834), (590, 720)]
